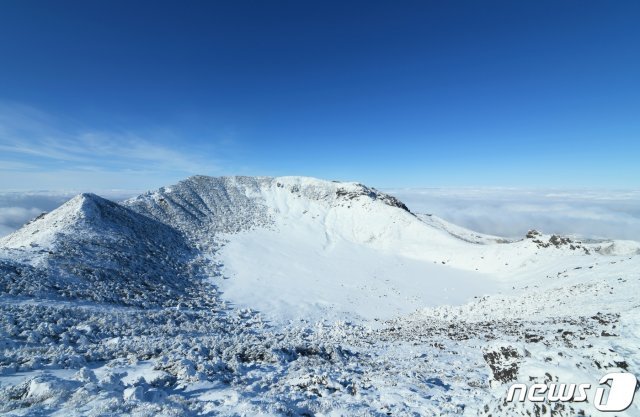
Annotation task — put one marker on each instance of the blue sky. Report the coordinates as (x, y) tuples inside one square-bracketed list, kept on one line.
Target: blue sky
[(134, 95)]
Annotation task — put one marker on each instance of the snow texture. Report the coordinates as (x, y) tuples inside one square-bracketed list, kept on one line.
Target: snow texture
[(295, 296)]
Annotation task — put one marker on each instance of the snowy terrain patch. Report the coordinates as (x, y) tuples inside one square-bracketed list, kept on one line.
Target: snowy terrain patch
[(299, 272)]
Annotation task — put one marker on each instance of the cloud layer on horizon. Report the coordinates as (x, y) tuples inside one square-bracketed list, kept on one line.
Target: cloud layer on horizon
[(512, 212)]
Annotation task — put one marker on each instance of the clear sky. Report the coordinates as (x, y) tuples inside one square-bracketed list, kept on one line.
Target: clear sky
[(132, 94)]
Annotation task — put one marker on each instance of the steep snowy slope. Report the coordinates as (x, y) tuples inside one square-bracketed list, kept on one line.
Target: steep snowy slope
[(94, 249), (202, 207)]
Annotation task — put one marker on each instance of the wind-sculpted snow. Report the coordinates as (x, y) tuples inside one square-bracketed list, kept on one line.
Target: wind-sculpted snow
[(149, 307)]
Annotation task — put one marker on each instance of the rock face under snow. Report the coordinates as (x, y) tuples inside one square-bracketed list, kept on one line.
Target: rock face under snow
[(297, 296)]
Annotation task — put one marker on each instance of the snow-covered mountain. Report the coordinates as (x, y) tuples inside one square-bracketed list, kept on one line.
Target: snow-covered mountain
[(298, 296), (94, 249), (294, 246)]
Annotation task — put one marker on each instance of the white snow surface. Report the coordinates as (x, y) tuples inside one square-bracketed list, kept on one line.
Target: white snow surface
[(296, 296), (329, 257)]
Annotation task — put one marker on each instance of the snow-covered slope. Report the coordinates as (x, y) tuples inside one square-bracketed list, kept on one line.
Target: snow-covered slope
[(460, 232), (94, 249), (296, 296)]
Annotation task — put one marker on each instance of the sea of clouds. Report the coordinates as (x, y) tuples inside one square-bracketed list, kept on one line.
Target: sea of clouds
[(613, 214)]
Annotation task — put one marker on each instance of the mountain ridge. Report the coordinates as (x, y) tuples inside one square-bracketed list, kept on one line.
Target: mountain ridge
[(202, 228)]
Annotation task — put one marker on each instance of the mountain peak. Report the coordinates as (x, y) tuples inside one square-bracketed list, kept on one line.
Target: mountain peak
[(86, 213), (95, 249), (42, 230), (91, 205)]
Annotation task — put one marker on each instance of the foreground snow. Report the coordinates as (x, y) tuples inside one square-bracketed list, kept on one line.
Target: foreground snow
[(295, 296)]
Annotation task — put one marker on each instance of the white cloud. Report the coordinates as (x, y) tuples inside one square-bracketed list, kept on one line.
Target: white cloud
[(41, 152), (13, 215)]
